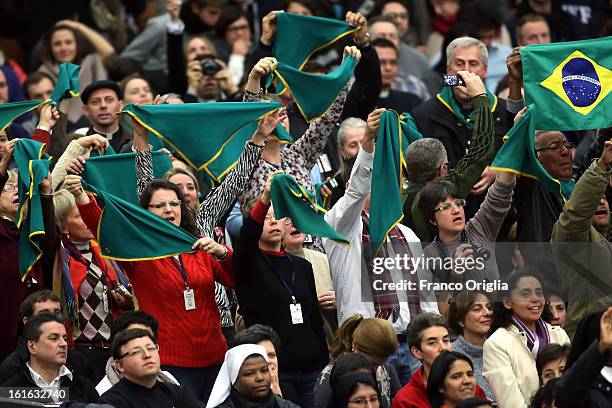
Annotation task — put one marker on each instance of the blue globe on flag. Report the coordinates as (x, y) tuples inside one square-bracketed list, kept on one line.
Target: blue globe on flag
[(580, 82)]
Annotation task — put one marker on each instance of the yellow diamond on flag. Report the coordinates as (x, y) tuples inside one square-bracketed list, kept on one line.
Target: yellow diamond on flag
[(580, 82)]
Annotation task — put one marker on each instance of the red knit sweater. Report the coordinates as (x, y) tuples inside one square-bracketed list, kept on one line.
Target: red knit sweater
[(186, 338)]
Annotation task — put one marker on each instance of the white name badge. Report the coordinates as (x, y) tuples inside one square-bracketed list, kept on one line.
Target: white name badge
[(296, 313), (189, 299)]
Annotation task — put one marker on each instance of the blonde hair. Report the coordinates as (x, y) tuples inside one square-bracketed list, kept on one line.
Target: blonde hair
[(63, 203), (372, 336), (12, 176)]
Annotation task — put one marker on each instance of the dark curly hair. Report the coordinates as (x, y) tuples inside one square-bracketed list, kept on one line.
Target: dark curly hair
[(187, 216)]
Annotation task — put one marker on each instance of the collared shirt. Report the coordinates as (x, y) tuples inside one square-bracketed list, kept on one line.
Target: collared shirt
[(55, 384)]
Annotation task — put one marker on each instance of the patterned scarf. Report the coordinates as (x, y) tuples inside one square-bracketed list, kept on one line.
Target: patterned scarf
[(385, 300), (447, 97), (541, 334)]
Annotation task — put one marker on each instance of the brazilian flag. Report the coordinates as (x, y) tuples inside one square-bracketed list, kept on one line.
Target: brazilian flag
[(570, 83), (394, 135)]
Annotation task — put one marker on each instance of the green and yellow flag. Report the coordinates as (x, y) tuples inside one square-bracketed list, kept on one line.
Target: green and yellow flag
[(518, 155), (314, 94), (570, 83), (116, 173), (33, 167), (11, 111), (312, 33), (67, 85), (128, 232), (394, 135), (291, 200)]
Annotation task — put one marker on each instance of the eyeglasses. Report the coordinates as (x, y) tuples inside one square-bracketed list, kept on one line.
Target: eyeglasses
[(162, 204), (458, 203), (139, 351), (364, 401), (285, 220), (393, 16), (556, 146), (9, 188), (238, 28)]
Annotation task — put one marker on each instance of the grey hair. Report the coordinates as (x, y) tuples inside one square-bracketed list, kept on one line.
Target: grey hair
[(541, 133), (349, 123), (466, 42), (63, 203), (423, 159)]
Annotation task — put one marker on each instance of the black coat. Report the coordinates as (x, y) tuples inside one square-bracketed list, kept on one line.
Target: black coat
[(234, 400), (126, 394)]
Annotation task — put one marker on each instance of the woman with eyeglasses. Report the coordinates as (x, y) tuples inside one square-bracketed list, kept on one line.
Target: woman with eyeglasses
[(520, 329), (467, 250), (353, 383), (233, 40)]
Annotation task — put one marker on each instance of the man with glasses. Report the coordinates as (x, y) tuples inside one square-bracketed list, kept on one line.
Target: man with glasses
[(136, 356)]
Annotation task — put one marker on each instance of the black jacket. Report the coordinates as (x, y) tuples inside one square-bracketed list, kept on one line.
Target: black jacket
[(437, 121), (265, 300), (120, 138), (79, 389), (399, 101), (235, 400), (126, 394)]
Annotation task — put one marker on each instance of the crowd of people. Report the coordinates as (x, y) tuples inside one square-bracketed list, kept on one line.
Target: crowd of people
[(260, 314)]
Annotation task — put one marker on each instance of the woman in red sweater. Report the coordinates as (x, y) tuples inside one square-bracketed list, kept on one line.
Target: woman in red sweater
[(179, 291)]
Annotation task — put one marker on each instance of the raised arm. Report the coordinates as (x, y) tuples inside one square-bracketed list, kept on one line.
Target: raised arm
[(144, 158), (73, 160), (264, 66), (102, 46)]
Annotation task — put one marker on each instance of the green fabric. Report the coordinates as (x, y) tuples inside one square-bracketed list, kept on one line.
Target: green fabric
[(103, 152), (314, 94), (386, 210), (297, 37), (33, 167), (130, 233), (292, 200), (67, 84), (197, 131), (11, 111), (218, 168), (518, 155), (570, 83), (116, 174), (447, 97)]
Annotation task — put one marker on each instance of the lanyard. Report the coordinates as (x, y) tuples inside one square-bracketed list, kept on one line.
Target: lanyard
[(181, 268), (278, 275)]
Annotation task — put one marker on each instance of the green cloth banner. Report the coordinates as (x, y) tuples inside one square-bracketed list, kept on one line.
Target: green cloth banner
[(447, 98), (518, 155), (67, 84), (200, 132), (116, 173), (314, 94), (394, 135), (292, 200), (130, 233), (33, 167), (311, 34), (11, 111), (570, 83)]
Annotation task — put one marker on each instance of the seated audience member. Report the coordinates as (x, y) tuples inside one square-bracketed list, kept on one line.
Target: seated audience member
[(93, 280), (451, 380), (390, 98), (41, 301), (266, 337), (427, 336), (475, 403), (471, 244), (519, 331), (136, 356), (269, 298), (586, 381), (350, 217), (354, 389), (581, 245), (558, 308), (427, 160), (244, 381), (469, 317), (46, 340), (551, 361), (545, 396), (375, 339), (134, 319)]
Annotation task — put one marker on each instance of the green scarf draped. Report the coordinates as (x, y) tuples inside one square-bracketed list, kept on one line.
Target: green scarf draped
[(518, 155), (298, 37), (10, 111), (394, 135), (570, 83), (314, 94), (292, 200), (67, 85), (116, 173), (201, 132), (129, 233), (33, 167), (447, 97)]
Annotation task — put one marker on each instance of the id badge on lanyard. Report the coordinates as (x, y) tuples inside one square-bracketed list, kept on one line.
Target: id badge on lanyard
[(296, 312), (188, 294)]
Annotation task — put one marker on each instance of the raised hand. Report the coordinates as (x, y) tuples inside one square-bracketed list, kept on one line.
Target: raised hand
[(267, 125)]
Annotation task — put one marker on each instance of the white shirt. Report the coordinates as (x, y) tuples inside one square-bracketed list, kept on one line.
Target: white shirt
[(55, 384), (345, 262)]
